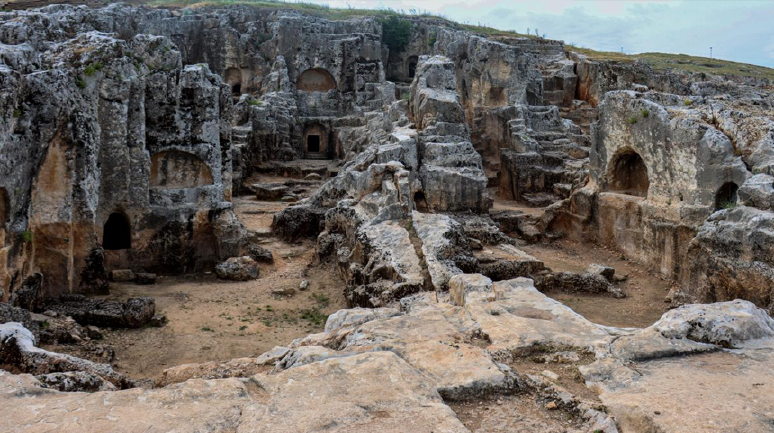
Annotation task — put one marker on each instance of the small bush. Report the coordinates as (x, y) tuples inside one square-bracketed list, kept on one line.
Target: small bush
[(27, 236), (17, 113), (321, 299), (645, 113), (314, 316), (432, 39), (404, 95), (93, 68), (396, 32), (207, 329), (632, 120), (254, 103), (687, 102), (727, 205), (80, 82), (242, 328)]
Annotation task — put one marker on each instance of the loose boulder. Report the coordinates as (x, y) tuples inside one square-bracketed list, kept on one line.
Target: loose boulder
[(237, 269)]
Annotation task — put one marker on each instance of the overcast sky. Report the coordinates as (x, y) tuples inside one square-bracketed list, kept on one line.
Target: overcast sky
[(737, 30)]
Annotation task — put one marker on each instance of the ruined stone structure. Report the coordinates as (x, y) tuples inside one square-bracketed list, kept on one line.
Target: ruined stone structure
[(118, 157), (127, 132)]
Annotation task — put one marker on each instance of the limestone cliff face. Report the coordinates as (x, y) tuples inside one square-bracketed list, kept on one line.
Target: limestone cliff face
[(677, 188), (110, 143), (146, 121)]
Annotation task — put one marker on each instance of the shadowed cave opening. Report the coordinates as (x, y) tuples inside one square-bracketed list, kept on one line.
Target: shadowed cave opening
[(313, 143), (629, 175), (4, 207), (316, 142), (117, 235), (726, 196), (420, 202), (412, 66)]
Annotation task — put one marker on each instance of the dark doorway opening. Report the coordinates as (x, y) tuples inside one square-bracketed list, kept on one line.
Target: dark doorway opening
[(412, 66), (420, 202), (117, 235), (236, 89), (313, 143), (726, 196), (5, 207), (629, 175)]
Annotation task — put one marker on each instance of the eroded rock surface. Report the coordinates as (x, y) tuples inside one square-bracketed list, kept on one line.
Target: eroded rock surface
[(126, 131)]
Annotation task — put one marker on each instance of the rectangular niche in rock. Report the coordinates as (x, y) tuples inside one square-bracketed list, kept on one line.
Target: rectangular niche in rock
[(313, 143)]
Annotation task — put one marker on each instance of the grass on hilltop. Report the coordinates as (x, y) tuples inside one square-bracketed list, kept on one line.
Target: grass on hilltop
[(662, 61), (658, 61), (323, 11)]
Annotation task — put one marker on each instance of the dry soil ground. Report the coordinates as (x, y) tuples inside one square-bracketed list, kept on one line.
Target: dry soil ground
[(519, 413), (211, 319), (645, 290)]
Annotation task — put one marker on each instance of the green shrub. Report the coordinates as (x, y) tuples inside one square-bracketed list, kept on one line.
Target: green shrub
[(93, 68), (432, 39), (727, 204), (80, 82), (645, 113), (207, 329), (396, 32), (254, 102), (321, 299), (27, 236), (17, 113), (632, 120), (687, 102), (314, 316), (404, 95)]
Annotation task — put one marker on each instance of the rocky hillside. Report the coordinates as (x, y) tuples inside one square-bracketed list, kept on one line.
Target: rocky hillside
[(126, 132)]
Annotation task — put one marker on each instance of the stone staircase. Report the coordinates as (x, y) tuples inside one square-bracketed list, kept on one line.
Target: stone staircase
[(547, 160), (376, 95)]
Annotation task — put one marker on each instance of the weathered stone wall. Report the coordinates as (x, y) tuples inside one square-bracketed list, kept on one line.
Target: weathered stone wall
[(687, 160), (78, 142), (732, 257), (695, 156)]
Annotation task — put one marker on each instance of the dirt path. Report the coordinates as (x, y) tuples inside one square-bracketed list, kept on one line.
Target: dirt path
[(645, 290), (211, 319)]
